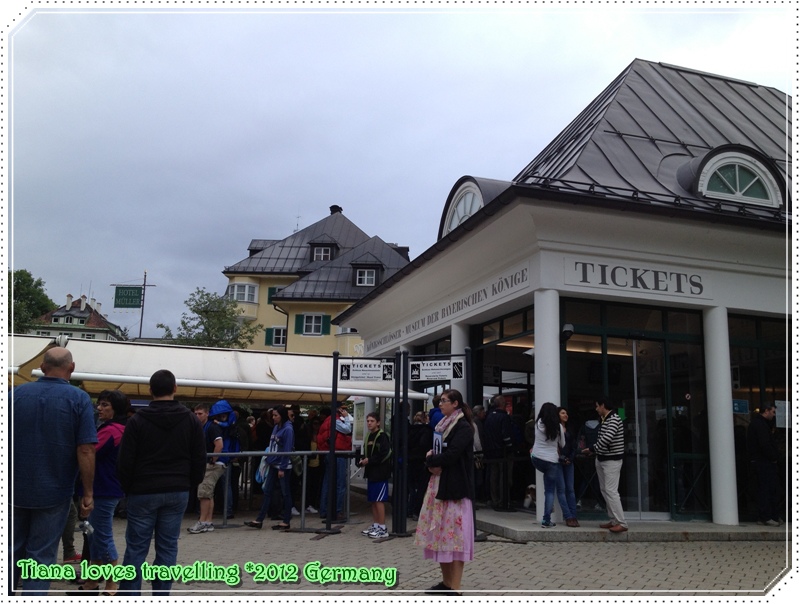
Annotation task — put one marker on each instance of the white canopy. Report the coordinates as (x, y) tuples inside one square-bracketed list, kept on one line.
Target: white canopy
[(26, 355), (203, 373)]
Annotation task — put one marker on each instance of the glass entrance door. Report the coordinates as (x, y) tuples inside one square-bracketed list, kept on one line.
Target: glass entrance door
[(641, 396), (658, 385)]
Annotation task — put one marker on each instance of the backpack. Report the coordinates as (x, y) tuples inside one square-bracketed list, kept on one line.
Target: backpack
[(234, 438), (375, 442)]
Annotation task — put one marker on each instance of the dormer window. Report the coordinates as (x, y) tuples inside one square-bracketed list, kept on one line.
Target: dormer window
[(322, 253), (467, 201), (735, 176), (366, 277)]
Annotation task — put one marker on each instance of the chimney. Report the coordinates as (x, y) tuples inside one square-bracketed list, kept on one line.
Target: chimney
[(68, 305), (97, 307), (92, 302), (336, 210), (83, 302)]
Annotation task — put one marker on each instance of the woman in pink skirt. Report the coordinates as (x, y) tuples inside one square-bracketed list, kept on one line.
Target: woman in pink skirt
[(445, 528)]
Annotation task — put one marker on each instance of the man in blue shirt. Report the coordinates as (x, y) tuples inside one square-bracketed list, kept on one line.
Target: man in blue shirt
[(54, 434)]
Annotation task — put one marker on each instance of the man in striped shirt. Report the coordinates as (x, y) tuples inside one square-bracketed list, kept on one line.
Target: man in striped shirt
[(609, 451)]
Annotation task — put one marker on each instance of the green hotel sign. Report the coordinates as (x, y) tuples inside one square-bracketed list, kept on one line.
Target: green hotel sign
[(128, 297)]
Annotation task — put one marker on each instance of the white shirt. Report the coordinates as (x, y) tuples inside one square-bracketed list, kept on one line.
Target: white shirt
[(544, 449)]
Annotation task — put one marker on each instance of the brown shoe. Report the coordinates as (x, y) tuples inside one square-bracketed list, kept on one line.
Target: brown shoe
[(574, 523), (618, 528), (607, 525)]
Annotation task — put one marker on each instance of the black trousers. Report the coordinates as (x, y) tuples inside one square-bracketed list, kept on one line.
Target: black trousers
[(767, 498)]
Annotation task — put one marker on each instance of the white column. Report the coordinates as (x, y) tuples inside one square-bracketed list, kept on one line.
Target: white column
[(459, 341), (724, 508), (547, 358), (370, 405), (547, 368)]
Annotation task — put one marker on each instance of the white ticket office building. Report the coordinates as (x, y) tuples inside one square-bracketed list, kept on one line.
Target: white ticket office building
[(641, 255)]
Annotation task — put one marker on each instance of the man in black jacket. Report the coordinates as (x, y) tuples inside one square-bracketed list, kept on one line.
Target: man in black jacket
[(161, 457), (763, 456), (496, 448), (420, 441)]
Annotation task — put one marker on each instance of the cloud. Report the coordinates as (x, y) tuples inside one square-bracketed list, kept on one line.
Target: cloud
[(166, 141)]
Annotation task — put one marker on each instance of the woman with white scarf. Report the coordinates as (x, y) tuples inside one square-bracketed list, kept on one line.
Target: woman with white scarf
[(446, 528)]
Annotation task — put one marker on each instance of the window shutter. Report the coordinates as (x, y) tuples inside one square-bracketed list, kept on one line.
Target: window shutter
[(271, 292), (326, 325), (268, 338), (299, 323)]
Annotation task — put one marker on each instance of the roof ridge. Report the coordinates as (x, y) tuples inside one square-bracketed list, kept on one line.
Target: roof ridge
[(592, 113)]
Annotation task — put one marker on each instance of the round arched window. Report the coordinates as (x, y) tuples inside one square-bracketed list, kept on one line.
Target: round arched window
[(735, 176), (468, 201)]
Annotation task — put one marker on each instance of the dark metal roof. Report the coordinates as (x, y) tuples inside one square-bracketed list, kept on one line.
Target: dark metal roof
[(256, 245), (654, 119), (334, 279), (624, 150), (293, 255)]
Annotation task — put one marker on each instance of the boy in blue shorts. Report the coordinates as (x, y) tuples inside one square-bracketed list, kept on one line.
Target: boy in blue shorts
[(377, 464)]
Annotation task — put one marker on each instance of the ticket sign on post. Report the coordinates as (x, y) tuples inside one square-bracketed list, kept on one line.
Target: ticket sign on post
[(436, 370), (366, 371)]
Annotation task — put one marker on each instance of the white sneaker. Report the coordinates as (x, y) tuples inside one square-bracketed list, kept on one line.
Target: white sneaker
[(295, 512), (199, 527), (378, 533), (312, 510), (369, 530)]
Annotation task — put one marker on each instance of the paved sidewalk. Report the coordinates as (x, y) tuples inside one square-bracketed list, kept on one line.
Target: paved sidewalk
[(675, 564)]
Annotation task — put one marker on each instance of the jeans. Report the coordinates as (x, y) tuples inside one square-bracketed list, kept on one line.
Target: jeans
[(494, 469), (568, 475), (161, 513), (36, 536), (233, 489), (101, 543), (68, 536), (553, 485), (286, 491), (341, 485)]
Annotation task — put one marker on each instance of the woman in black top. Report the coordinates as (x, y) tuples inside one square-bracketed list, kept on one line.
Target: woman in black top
[(445, 528)]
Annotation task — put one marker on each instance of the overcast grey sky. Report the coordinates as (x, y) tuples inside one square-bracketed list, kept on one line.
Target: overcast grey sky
[(166, 140)]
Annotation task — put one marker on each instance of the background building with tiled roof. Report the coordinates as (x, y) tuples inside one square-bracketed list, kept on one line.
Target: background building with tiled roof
[(295, 286), (81, 319)]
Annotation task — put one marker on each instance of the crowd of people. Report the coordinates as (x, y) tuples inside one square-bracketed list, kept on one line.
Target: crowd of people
[(89, 459), (160, 458), (95, 461)]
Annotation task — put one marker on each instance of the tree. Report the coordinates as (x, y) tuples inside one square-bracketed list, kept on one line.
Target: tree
[(213, 321), (30, 301)]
